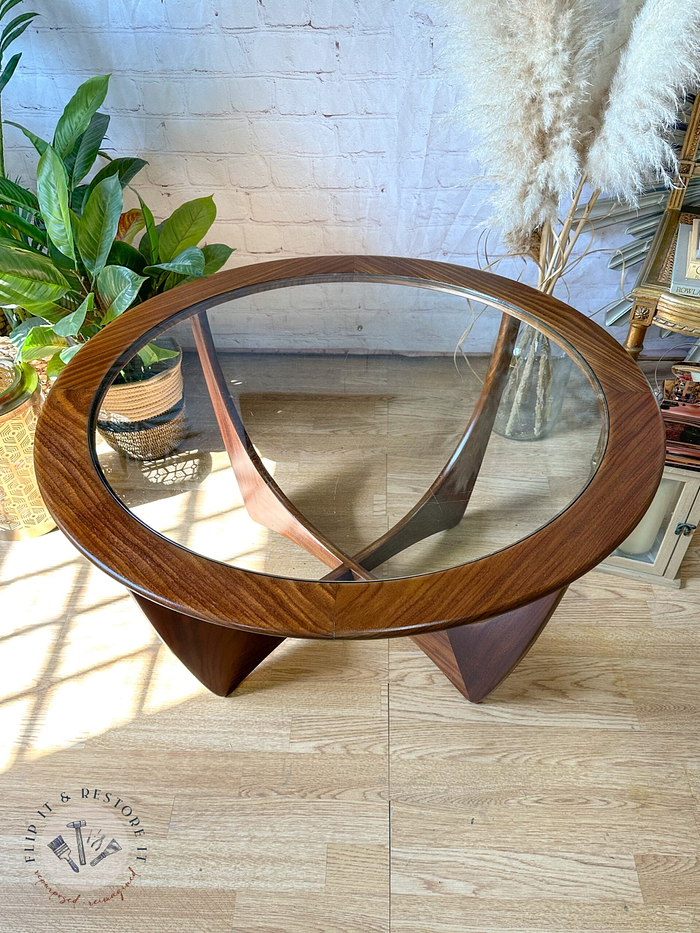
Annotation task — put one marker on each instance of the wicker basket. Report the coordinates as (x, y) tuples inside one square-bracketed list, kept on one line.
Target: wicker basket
[(145, 420)]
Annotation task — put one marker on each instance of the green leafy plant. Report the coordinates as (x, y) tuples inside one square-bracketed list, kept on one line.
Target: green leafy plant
[(11, 31), (68, 260)]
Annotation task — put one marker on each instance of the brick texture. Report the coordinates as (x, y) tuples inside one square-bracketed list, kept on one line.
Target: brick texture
[(318, 125)]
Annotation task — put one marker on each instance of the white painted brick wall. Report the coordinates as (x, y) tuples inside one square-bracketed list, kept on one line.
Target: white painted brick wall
[(318, 125)]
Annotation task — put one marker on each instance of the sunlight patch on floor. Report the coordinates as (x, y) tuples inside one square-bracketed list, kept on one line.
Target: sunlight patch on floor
[(211, 519), (12, 717), (23, 658), (77, 657), (89, 704), (171, 683)]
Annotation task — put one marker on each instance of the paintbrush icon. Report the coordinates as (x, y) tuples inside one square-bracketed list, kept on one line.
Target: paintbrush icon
[(61, 850)]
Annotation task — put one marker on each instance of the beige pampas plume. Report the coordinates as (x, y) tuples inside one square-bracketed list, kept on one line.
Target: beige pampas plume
[(616, 36), (658, 67), (528, 67)]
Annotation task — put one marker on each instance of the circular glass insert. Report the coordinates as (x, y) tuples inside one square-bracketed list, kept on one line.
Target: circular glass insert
[(290, 428)]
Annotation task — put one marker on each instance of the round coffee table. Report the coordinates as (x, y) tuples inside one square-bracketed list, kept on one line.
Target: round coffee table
[(352, 462)]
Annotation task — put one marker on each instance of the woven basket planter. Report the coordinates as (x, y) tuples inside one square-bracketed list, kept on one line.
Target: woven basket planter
[(145, 419)]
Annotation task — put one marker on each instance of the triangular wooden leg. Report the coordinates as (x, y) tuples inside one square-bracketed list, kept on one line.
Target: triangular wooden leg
[(477, 657), (219, 657)]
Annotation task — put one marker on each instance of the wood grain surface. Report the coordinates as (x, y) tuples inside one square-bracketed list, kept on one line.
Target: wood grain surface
[(169, 575), (476, 658)]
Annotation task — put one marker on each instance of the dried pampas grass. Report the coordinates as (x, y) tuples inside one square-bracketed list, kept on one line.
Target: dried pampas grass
[(617, 30), (528, 67), (567, 100), (658, 67), (560, 92)]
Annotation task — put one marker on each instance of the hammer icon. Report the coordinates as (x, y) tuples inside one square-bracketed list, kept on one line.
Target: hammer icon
[(77, 826)]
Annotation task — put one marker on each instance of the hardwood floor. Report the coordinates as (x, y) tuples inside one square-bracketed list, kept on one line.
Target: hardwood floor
[(348, 787)]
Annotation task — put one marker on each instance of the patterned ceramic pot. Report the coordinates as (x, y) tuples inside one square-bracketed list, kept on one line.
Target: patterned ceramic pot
[(22, 510)]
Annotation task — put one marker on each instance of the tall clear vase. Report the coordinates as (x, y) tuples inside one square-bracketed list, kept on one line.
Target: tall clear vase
[(534, 392)]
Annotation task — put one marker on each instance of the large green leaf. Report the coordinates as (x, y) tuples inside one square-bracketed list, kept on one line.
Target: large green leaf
[(13, 243), (69, 160), (14, 30), (29, 280), (117, 287), (7, 6), (152, 353), (69, 352), (52, 191), (9, 70), (90, 143), (189, 262), (64, 264), (36, 141), (123, 254), (97, 226), (173, 279), (149, 241), (185, 227), (17, 334), (54, 366), (215, 255), (77, 198), (125, 169), (12, 193), (22, 226), (69, 326), (21, 207), (15, 23), (58, 361), (40, 343), (78, 113)]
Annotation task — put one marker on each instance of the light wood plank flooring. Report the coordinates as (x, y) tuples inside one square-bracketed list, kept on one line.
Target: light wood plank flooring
[(348, 788)]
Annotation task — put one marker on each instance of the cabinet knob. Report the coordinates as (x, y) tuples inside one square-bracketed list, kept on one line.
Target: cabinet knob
[(685, 528)]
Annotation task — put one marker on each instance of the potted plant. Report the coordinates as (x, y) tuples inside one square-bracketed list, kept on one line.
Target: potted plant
[(69, 265), (10, 32)]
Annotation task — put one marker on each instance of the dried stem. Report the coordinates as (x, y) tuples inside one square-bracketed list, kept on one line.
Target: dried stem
[(566, 226), (572, 242), (556, 247)]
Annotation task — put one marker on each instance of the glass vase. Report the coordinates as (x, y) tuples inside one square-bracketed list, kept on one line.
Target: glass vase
[(535, 388)]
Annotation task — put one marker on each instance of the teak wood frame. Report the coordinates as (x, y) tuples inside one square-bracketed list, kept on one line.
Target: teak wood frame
[(475, 621)]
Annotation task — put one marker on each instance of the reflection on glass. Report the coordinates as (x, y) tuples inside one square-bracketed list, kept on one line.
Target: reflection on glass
[(354, 395)]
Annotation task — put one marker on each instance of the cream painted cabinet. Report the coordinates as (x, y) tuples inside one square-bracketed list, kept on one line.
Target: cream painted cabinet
[(656, 548)]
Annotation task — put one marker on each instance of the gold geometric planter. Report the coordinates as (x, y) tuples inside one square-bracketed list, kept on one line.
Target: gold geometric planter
[(22, 510)]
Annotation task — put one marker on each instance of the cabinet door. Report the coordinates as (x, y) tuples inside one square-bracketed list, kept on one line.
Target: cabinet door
[(683, 538), (651, 548)]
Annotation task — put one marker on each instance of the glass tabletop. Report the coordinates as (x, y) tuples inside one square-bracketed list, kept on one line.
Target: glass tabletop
[(361, 407)]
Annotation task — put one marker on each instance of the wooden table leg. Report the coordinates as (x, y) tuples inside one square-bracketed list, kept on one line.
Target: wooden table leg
[(263, 499), (477, 657), (474, 657), (219, 657), (445, 502)]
